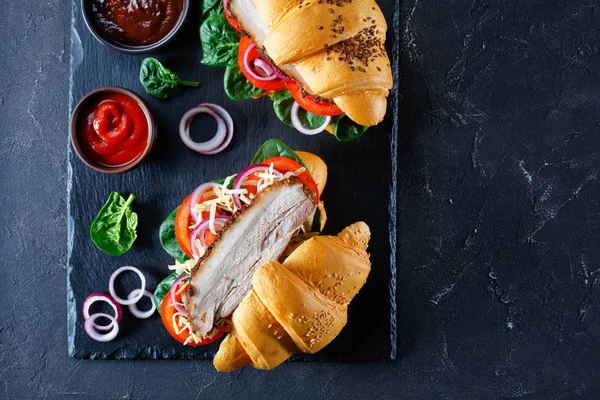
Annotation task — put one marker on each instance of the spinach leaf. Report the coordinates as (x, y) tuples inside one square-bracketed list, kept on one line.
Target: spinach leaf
[(316, 222), (274, 148), (220, 41), (209, 6), (163, 287), (113, 230), (346, 130), (310, 120), (215, 10), (159, 81), (237, 86), (169, 240), (282, 104)]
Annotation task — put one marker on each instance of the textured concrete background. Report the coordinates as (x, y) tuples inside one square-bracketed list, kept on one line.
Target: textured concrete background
[(498, 212)]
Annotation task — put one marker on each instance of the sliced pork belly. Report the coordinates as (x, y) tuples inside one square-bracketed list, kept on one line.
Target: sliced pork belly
[(255, 235), (245, 12), (251, 20)]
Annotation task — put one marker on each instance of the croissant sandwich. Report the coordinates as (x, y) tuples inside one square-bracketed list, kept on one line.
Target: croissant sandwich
[(298, 306), (327, 56), (226, 229)]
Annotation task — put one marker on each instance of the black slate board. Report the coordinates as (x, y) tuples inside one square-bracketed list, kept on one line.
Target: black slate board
[(361, 186)]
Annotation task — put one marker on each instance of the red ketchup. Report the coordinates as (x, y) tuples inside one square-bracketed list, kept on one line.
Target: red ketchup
[(113, 130)]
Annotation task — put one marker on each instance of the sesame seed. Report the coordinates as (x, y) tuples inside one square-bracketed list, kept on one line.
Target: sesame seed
[(358, 50)]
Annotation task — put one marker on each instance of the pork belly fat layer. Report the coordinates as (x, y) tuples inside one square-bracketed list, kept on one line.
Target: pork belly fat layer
[(254, 236)]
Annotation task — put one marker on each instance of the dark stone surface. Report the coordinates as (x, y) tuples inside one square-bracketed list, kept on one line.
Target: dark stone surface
[(172, 171), (498, 211)]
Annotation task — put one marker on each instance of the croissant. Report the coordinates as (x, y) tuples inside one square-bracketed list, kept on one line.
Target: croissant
[(300, 305), (334, 49)]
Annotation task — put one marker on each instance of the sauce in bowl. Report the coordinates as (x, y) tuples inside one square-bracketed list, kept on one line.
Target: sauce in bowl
[(112, 130), (136, 22)]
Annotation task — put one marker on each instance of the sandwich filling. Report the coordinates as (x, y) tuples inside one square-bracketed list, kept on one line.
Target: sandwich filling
[(256, 234)]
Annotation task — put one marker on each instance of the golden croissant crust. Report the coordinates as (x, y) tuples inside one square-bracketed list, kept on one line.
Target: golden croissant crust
[(300, 305), (334, 49)]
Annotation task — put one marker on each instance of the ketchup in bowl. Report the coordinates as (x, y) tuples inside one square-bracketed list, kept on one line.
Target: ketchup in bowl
[(112, 129), (136, 22)]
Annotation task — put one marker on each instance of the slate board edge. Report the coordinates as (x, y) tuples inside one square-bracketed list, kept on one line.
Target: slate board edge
[(71, 303), (151, 352), (393, 207)]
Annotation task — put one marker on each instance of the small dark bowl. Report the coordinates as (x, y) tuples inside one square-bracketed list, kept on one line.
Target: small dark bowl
[(75, 139), (123, 48)]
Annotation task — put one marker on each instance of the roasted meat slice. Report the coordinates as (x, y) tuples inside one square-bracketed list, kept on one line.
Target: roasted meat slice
[(255, 235), (248, 15)]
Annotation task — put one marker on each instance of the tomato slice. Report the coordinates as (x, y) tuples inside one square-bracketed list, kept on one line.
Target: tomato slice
[(232, 21), (284, 164), (182, 227), (167, 311), (275, 84), (183, 221), (252, 188), (310, 104), (209, 237)]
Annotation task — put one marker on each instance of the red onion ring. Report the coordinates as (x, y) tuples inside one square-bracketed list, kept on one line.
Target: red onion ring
[(173, 291), (95, 297), (111, 286), (136, 311), (249, 68), (197, 194), (301, 128), (222, 137), (264, 67), (239, 180), (89, 324), (199, 231), (281, 76), (228, 121)]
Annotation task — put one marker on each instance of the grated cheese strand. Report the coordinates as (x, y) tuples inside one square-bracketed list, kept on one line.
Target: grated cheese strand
[(211, 221), (180, 267), (183, 287)]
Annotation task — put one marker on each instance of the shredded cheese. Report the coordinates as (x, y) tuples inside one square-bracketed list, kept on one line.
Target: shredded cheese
[(246, 199), (181, 268), (183, 288), (181, 324), (201, 250), (224, 200)]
